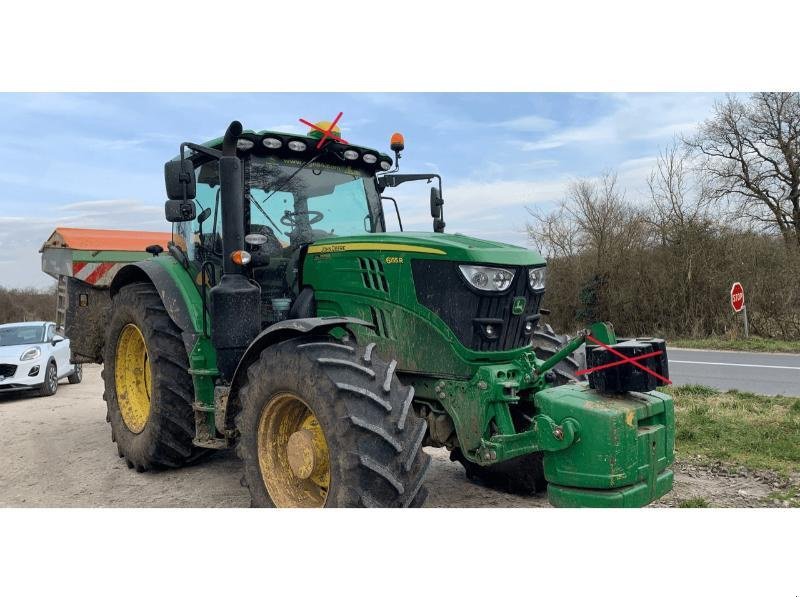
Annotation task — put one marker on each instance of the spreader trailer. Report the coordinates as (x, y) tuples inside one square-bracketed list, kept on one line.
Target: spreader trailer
[(282, 319)]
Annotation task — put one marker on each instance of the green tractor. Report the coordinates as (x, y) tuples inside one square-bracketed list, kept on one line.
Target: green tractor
[(285, 321)]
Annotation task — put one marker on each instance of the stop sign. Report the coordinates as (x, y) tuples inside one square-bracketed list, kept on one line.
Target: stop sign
[(737, 296)]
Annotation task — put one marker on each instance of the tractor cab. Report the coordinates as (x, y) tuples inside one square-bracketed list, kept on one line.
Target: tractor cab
[(297, 190)]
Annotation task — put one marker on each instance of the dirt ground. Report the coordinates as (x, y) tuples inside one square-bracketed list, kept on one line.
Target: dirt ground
[(57, 452)]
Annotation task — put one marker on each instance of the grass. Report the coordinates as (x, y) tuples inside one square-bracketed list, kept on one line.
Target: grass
[(751, 344), (789, 497), (758, 432), (694, 503)]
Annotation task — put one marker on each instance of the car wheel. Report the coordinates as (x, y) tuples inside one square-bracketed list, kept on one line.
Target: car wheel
[(77, 374), (50, 383)]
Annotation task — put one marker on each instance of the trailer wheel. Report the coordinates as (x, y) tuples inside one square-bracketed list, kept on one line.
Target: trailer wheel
[(524, 475), (77, 374), (148, 389), (326, 423)]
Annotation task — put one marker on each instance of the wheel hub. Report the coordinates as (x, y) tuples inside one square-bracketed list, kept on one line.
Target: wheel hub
[(293, 454), (133, 378)]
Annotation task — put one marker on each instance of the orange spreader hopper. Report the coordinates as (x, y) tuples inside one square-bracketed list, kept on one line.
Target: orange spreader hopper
[(106, 239), (95, 256)]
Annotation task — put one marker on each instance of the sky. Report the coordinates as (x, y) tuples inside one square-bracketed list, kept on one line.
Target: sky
[(96, 160)]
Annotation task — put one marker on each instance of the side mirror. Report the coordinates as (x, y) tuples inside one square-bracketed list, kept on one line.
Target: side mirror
[(181, 189), (179, 180), (436, 203), (178, 211), (436, 210), (57, 339), (203, 216)]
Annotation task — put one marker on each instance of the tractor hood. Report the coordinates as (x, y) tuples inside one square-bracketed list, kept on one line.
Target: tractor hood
[(436, 246)]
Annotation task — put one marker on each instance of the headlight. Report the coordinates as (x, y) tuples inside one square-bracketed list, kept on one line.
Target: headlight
[(31, 354), (536, 278), (488, 279), (272, 143)]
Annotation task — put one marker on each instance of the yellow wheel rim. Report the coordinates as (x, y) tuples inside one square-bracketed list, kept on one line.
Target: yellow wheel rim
[(133, 378), (293, 454)]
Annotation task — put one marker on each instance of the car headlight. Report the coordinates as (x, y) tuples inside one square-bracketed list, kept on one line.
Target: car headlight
[(31, 354), (536, 278), (487, 279)]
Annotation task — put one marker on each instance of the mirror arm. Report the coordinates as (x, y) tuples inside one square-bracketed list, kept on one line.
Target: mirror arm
[(394, 180), (215, 154)]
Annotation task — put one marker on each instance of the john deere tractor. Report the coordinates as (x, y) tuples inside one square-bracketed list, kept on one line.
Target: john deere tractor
[(283, 320)]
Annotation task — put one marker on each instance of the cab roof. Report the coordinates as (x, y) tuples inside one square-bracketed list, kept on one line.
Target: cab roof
[(332, 151)]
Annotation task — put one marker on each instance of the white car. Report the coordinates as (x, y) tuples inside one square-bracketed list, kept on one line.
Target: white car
[(33, 356)]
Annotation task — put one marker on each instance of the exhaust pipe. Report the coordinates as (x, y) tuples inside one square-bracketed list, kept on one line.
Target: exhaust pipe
[(231, 181), (235, 300)]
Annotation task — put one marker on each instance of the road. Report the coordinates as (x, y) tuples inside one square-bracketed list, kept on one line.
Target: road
[(757, 372), (57, 452)]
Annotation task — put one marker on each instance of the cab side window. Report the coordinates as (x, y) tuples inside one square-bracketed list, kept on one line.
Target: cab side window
[(51, 331)]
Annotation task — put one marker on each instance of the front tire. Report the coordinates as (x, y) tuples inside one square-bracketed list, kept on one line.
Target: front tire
[(50, 384), (325, 423), (524, 475), (148, 389)]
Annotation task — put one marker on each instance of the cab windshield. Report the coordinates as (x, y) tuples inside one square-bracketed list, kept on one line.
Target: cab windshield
[(302, 205)]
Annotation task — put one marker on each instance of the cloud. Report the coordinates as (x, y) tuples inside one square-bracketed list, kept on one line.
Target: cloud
[(528, 123), (636, 117)]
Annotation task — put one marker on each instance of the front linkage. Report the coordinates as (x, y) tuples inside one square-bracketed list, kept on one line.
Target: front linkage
[(605, 444)]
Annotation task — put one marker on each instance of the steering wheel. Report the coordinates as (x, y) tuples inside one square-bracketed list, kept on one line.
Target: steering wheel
[(289, 219)]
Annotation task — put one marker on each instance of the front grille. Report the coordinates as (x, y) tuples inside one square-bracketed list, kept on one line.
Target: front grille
[(7, 370), (441, 288)]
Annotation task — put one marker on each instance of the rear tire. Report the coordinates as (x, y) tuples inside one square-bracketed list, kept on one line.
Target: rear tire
[(524, 475), (77, 374), (367, 440), (50, 384), (156, 430)]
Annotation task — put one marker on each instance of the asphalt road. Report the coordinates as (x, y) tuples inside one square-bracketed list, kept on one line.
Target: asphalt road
[(757, 372)]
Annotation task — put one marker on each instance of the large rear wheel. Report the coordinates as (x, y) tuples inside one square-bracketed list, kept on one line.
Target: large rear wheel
[(148, 389), (325, 423), (524, 475)]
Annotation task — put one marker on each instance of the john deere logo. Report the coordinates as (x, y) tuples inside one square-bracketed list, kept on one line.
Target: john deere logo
[(519, 305)]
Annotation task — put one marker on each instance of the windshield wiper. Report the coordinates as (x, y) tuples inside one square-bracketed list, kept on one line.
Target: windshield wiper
[(264, 212), (279, 188)]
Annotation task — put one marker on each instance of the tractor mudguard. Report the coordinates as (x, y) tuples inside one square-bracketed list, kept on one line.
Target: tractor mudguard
[(275, 334), (176, 288)]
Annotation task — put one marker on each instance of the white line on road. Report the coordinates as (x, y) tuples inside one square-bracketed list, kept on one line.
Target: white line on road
[(719, 364)]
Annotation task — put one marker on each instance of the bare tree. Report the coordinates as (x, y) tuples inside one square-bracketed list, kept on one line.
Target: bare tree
[(554, 233), (751, 155), (680, 199)]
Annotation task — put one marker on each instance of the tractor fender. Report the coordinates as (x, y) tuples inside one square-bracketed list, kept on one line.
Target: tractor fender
[(280, 332), (173, 291)]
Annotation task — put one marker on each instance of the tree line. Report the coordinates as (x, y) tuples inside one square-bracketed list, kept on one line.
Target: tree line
[(722, 205), (27, 304)]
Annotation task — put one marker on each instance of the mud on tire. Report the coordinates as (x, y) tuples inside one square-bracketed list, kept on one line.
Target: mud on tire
[(524, 475), (166, 440), (373, 436)]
